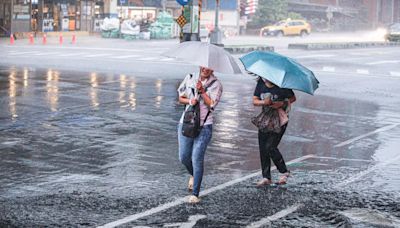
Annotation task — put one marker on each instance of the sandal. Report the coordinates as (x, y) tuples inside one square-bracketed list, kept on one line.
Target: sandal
[(190, 184), (283, 178), (263, 182)]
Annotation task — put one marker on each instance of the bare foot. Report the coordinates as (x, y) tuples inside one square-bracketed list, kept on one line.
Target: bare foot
[(283, 178), (193, 199), (263, 182)]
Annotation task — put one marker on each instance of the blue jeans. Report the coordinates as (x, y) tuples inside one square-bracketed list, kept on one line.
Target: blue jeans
[(191, 154)]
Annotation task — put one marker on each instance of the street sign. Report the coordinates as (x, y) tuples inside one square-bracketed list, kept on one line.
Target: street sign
[(122, 2), (181, 20), (183, 2)]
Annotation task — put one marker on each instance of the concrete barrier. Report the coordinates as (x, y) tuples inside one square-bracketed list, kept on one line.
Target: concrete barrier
[(239, 49), (341, 45)]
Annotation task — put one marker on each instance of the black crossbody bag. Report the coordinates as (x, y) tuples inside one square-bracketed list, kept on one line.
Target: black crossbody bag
[(191, 120)]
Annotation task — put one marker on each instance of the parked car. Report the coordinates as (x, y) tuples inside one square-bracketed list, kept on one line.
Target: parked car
[(393, 33), (287, 28)]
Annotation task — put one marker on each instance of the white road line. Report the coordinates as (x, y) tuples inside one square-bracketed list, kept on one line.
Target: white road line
[(72, 54), (382, 129), (46, 53), (24, 52), (148, 59), (365, 172), (328, 69), (276, 216), (182, 200), (395, 74), (95, 55), (124, 56), (383, 62), (167, 59), (344, 159), (314, 56), (362, 71)]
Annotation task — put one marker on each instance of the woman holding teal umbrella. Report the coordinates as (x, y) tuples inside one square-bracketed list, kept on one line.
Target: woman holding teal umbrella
[(273, 100), (277, 76)]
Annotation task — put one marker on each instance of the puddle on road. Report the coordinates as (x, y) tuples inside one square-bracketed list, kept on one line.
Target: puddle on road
[(373, 217)]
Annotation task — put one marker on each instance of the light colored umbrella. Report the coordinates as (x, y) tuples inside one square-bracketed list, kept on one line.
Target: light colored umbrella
[(281, 70), (206, 55)]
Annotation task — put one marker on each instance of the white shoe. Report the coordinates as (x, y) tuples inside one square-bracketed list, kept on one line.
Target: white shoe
[(190, 183), (193, 199)]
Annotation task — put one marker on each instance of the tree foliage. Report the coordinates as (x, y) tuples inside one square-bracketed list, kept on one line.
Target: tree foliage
[(269, 12)]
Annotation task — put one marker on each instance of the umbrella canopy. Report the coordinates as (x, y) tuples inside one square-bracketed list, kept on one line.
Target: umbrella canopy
[(280, 70), (206, 55)]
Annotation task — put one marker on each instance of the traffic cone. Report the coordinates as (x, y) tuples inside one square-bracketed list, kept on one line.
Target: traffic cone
[(31, 41), (12, 39), (61, 39), (73, 39), (44, 39)]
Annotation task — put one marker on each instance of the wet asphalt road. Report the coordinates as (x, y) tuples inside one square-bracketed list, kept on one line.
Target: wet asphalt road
[(87, 149)]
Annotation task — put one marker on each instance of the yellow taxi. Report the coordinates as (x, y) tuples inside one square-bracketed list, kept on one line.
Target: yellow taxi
[(287, 28)]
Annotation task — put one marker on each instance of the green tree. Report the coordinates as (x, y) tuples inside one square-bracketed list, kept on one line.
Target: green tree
[(268, 12)]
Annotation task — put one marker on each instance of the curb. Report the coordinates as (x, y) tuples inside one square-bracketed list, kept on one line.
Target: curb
[(239, 49), (342, 45)]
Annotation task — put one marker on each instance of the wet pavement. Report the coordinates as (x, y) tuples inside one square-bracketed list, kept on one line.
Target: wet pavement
[(87, 149)]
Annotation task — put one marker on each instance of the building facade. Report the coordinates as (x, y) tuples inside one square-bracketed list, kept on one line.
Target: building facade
[(348, 14), (19, 16)]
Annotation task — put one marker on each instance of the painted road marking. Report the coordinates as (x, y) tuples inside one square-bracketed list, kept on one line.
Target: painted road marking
[(166, 59), (24, 52), (328, 69), (383, 62), (148, 59), (365, 172), (72, 54), (315, 56), (191, 222), (125, 56), (362, 71), (276, 216), (382, 129), (344, 159), (182, 200), (46, 53), (394, 73), (95, 55)]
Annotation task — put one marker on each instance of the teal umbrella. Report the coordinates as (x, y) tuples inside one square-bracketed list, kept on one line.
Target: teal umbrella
[(280, 70)]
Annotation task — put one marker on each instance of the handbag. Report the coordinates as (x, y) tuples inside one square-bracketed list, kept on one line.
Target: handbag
[(267, 120), (191, 119)]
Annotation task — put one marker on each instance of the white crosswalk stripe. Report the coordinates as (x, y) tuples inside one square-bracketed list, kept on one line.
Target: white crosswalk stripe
[(394, 73), (362, 71), (328, 69), (96, 55), (124, 56)]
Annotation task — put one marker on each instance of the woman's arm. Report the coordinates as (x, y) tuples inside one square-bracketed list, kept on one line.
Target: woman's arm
[(185, 101), (258, 102)]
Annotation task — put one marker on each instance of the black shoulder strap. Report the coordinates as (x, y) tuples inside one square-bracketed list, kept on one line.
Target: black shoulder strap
[(209, 85), (208, 113)]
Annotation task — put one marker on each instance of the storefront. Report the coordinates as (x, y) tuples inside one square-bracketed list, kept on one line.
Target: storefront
[(5, 17), (67, 15)]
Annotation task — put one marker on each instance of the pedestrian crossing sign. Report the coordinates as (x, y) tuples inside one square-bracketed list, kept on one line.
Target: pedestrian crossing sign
[(181, 20)]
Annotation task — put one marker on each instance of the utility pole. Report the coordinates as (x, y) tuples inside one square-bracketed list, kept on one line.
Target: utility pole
[(216, 35)]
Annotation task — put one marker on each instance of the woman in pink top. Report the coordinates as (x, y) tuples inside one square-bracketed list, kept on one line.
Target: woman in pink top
[(203, 88)]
